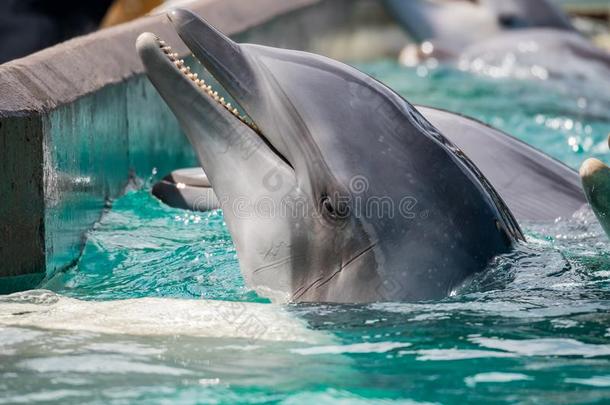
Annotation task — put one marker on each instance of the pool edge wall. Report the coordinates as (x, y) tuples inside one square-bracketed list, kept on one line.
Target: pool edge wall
[(79, 121)]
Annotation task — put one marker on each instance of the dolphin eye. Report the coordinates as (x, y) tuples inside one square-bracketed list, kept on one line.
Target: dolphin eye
[(335, 211)]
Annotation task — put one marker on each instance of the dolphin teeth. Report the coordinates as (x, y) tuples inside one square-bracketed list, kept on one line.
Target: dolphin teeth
[(186, 70)]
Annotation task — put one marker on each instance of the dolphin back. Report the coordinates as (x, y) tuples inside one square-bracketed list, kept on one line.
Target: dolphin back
[(533, 185)]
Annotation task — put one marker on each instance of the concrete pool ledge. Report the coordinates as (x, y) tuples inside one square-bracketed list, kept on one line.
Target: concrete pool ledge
[(79, 120)]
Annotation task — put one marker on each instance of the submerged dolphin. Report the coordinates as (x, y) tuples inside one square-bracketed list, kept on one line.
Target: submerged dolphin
[(346, 192)]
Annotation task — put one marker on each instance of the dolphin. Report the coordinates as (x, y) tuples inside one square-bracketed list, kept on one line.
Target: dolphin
[(188, 189), (442, 23), (347, 193), (514, 38), (538, 53)]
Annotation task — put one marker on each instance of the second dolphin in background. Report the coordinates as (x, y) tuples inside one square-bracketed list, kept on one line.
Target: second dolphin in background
[(514, 38)]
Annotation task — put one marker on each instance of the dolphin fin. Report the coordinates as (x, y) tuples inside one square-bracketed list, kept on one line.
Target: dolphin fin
[(595, 176)]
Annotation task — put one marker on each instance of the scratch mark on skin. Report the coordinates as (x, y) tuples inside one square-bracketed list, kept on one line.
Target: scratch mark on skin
[(277, 263), (297, 296), (274, 250)]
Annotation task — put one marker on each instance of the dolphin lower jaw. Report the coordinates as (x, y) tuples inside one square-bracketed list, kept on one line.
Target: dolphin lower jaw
[(299, 261)]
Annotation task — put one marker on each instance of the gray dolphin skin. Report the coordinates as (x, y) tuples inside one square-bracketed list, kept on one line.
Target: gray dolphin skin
[(346, 192)]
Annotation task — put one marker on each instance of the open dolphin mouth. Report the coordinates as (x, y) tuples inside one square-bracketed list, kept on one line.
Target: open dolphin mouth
[(211, 93), (206, 88)]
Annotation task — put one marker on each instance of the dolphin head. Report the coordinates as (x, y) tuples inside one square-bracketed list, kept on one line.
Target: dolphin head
[(333, 187)]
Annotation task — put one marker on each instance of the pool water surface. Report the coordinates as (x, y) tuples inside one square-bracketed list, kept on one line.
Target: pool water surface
[(535, 328)]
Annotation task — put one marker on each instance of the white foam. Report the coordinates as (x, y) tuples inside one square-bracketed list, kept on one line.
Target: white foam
[(544, 347), (380, 347), (457, 354), (495, 377), (96, 364), (597, 381), (155, 317)]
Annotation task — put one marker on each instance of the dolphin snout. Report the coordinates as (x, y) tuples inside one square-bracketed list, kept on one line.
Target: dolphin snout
[(179, 16)]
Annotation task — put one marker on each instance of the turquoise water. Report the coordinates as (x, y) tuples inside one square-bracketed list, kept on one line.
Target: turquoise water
[(534, 329)]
